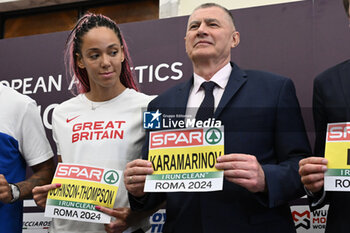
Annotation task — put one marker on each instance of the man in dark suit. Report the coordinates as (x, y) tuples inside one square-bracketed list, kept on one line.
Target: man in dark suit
[(264, 138), (331, 104)]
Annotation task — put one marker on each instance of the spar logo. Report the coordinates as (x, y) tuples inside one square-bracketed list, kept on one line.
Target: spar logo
[(79, 172), (301, 219), (176, 138), (111, 177), (213, 136), (338, 132), (152, 120)]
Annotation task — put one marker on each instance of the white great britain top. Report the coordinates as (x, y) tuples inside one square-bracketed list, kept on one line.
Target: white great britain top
[(105, 134)]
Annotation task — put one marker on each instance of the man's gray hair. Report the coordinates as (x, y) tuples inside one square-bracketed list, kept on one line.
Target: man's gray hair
[(207, 5)]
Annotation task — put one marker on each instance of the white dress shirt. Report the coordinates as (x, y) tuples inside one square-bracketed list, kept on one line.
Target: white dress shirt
[(197, 93)]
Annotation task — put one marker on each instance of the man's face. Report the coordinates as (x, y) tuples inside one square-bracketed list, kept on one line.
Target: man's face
[(210, 35)]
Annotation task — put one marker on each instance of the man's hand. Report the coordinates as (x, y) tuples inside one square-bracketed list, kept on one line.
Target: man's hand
[(135, 176), (120, 224), (5, 190), (244, 170), (312, 171), (40, 193)]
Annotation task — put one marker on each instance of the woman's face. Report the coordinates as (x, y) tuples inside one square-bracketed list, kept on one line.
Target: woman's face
[(102, 56)]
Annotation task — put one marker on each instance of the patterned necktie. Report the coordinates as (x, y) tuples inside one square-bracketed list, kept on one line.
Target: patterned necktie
[(206, 109)]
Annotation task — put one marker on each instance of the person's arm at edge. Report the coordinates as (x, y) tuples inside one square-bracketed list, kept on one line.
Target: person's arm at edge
[(42, 174), (318, 199)]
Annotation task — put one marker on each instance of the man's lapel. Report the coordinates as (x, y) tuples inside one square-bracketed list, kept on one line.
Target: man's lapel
[(237, 79), (345, 82), (182, 97)]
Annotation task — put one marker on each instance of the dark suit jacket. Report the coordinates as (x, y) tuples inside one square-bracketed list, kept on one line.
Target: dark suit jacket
[(261, 116), (331, 103)]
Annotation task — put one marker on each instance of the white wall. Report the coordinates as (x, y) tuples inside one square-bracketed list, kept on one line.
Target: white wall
[(171, 8)]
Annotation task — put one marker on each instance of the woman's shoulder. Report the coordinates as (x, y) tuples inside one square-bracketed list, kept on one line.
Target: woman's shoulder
[(71, 103), (138, 97)]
